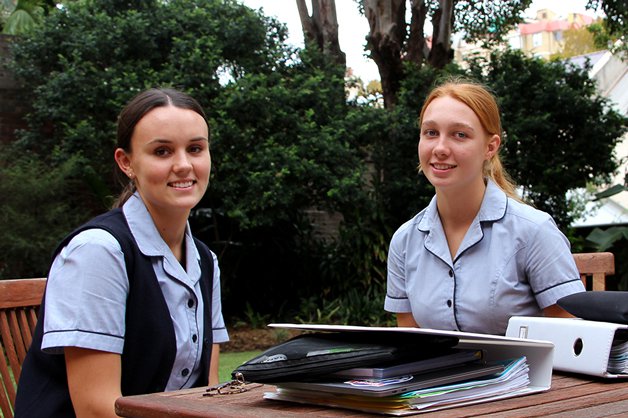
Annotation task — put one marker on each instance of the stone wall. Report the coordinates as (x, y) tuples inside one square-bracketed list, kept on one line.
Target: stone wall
[(13, 106)]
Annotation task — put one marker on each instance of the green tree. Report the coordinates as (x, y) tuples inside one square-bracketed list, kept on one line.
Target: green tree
[(616, 12), (604, 39), (577, 41), (283, 138), (35, 198), (560, 134), (283, 145), (20, 16), (374, 87), (88, 58), (392, 41), (611, 32)]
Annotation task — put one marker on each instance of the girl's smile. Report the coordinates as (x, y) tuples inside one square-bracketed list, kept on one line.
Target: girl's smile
[(169, 159)]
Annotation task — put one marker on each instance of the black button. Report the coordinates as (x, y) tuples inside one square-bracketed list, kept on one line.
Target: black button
[(449, 303), (194, 338), (185, 372), (451, 273), (190, 303)]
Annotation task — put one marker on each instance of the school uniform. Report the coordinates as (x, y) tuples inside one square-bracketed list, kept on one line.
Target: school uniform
[(115, 286), (513, 260)]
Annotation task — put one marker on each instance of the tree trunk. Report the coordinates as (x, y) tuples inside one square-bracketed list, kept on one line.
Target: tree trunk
[(417, 48), (385, 42), (321, 28), (441, 53)]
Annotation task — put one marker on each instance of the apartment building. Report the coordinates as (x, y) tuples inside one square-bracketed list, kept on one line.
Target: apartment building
[(540, 37)]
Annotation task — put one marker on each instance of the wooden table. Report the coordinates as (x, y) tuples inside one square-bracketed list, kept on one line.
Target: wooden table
[(571, 396)]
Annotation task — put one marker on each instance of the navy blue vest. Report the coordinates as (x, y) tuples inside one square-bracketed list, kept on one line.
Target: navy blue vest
[(149, 344)]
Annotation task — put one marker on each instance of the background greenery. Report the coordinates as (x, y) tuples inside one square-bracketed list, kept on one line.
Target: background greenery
[(284, 141), (230, 361)]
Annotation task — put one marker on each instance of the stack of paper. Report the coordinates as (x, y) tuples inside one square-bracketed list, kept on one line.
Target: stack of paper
[(618, 358), (409, 394)]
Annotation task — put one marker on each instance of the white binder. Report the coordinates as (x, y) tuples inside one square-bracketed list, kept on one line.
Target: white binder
[(539, 354), (580, 346)]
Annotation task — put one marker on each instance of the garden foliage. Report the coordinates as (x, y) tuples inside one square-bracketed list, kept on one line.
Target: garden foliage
[(284, 142), (559, 133)]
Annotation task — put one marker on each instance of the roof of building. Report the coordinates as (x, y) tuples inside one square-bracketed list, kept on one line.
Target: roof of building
[(611, 75), (554, 25)]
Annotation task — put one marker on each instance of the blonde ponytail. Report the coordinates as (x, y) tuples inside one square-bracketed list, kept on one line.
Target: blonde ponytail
[(494, 170)]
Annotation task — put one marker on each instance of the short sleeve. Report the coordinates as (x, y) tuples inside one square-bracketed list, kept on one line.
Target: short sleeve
[(396, 296), (551, 269), (86, 295), (219, 330)]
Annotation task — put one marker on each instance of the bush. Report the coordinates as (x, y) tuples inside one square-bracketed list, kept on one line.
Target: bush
[(553, 120), (354, 307), (85, 61), (36, 211)]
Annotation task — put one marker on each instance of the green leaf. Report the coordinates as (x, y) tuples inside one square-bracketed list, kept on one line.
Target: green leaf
[(606, 238), (611, 191)]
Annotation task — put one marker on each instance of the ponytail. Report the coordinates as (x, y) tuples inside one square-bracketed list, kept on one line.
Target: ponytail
[(494, 170), (126, 193)]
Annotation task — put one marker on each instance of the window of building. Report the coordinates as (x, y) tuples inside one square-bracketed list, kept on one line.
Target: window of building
[(537, 39), (514, 42)]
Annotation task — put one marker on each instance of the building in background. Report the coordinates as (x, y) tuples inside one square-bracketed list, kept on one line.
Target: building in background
[(543, 36), (539, 37), (611, 77)]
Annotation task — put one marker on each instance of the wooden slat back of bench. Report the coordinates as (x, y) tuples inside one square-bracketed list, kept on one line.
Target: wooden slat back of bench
[(595, 266), (19, 306)]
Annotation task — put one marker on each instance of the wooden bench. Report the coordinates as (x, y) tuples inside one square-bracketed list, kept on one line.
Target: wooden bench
[(595, 266), (19, 305)]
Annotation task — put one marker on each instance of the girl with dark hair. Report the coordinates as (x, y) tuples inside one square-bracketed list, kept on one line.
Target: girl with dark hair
[(477, 255), (132, 302)]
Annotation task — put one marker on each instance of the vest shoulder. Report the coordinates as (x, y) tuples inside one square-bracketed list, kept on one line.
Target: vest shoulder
[(112, 222)]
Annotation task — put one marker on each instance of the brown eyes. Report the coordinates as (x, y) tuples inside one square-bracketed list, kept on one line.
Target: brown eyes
[(163, 152)]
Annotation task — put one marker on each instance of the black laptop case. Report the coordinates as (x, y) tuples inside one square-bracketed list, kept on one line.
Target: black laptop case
[(309, 356)]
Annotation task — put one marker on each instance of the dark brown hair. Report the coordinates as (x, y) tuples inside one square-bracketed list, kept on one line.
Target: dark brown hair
[(134, 111)]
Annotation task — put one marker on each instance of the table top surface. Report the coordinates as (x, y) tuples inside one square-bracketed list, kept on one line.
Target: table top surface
[(569, 396)]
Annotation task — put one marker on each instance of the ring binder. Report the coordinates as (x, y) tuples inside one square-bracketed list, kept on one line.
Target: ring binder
[(532, 375), (580, 346)]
